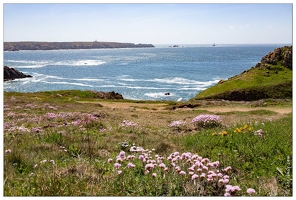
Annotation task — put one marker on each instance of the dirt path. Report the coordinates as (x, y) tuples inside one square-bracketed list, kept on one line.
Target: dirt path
[(138, 106), (162, 106)]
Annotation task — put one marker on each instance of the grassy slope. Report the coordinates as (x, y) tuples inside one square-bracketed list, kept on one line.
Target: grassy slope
[(274, 81)]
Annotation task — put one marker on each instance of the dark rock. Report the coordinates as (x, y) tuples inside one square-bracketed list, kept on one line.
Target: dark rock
[(11, 74), (283, 54), (109, 95)]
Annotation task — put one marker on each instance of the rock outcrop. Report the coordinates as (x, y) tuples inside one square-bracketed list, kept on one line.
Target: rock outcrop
[(283, 54), (11, 74), (108, 95)]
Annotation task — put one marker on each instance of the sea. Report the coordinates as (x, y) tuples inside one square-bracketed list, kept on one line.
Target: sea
[(160, 73)]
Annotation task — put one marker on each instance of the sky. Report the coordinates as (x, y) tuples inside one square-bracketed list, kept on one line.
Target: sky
[(150, 23)]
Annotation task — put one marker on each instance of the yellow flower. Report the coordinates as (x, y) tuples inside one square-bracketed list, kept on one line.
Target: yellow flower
[(223, 133), (214, 134), (245, 126)]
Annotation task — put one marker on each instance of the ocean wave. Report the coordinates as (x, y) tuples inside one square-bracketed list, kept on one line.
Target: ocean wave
[(67, 83), (157, 94), (147, 88), (183, 81), (90, 79), (192, 88), (80, 63), (29, 64)]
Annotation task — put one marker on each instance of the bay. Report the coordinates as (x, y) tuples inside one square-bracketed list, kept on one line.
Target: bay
[(139, 74)]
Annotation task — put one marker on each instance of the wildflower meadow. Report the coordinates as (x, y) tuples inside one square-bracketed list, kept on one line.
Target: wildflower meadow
[(64, 147)]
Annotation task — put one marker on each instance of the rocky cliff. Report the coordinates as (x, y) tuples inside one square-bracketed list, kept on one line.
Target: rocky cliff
[(16, 46), (11, 74), (283, 54)]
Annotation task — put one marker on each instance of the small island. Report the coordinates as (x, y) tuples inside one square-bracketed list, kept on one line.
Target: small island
[(16, 46)]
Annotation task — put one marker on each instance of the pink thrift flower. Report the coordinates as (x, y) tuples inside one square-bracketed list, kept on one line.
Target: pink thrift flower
[(226, 181), (182, 173), (110, 160), (130, 165), (227, 169), (210, 179), (178, 169), (162, 165), (142, 158), (122, 154), (118, 159), (8, 151), (119, 172), (194, 176), (191, 168), (227, 194), (203, 175), (149, 166), (236, 188), (221, 181), (117, 165), (251, 191), (130, 157), (154, 175)]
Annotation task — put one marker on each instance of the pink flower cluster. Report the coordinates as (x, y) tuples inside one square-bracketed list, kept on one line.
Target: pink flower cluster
[(192, 167), (207, 120), (259, 133), (177, 123), (127, 123), (120, 159)]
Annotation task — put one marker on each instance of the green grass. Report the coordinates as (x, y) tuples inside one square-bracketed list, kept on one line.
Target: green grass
[(274, 81), (80, 149)]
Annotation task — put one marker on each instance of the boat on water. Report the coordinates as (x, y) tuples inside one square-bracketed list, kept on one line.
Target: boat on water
[(214, 44)]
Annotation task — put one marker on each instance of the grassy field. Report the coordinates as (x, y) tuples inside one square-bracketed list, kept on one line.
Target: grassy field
[(68, 143)]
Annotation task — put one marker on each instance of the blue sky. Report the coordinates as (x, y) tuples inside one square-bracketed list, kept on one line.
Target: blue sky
[(188, 23)]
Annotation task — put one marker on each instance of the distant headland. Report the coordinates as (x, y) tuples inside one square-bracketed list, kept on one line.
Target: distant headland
[(16, 46)]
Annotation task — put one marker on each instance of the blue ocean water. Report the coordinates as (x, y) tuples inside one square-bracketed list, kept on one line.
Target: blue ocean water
[(142, 73)]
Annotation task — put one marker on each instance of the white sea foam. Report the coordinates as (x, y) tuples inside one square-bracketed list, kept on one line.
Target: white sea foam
[(80, 63), (148, 88), (182, 81), (27, 64), (68, 83), (191, 88), (157, 94), (90, 79)]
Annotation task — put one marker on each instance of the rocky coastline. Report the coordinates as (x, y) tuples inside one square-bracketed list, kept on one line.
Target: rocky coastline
[(16, 46), (11, 74)]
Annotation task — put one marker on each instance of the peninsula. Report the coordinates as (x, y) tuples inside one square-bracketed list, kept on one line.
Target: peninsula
[(16, 46)]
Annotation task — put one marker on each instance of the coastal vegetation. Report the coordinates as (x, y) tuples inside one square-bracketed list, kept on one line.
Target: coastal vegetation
[(77, 143), (60, 144)]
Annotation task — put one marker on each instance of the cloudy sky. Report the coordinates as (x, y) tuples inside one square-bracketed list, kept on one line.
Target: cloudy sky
[(173, 23)]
